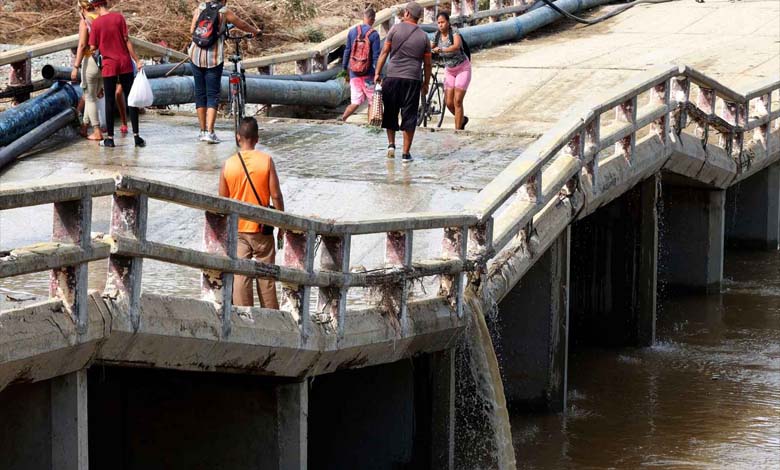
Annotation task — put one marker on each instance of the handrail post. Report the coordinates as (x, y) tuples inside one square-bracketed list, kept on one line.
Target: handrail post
[(734, 114), (21, 76), (332, 301), (398, 253), (706, 103), (626, 112), (681, 89), (480, 248), (72, 223), (319, 62), (762, 132), (429, 14), (299, 254), (591, 151), (495, 5), (303, 66), (454, 246), (661, 94), (128, 219), (220, 236)]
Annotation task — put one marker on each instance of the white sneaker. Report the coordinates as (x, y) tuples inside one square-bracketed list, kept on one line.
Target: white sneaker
[(390, 152), (211, 137), (202, 136)]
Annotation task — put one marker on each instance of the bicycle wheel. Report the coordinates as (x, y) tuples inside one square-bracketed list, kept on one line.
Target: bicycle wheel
[(441, 103), (235, 109), (428, 107), (422, 113)]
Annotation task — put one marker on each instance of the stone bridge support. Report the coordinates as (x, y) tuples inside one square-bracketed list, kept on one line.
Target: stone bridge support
[(753, 211), (692, 237), (614, 271), (532, 332)]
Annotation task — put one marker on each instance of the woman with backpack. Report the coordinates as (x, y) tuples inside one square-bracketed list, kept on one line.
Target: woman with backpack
[(452, 50), (207, 54), (110, 45)]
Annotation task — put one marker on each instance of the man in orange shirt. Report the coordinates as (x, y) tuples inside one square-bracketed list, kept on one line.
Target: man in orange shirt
[(254, 239)]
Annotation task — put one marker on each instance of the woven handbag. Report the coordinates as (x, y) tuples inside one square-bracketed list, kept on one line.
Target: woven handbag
[(377, 109)]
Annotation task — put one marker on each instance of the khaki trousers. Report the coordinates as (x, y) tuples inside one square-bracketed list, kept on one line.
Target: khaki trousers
[(91, 82), (262, 248)]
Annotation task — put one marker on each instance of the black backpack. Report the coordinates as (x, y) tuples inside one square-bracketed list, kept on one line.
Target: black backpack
[(463, 44), (207, 28)]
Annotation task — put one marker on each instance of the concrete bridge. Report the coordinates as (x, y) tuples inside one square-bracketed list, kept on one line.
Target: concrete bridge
[(564, 241)]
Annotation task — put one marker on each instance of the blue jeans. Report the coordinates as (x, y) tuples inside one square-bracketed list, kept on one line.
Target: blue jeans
[(207, 83)]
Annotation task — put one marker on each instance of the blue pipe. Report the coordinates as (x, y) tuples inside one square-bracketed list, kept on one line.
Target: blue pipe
[(178, 90), (18, 121)]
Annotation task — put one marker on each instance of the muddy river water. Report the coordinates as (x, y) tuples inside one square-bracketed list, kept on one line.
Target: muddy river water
[(706, 396)]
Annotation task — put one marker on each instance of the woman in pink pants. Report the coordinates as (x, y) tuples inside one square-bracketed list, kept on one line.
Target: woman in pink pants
[(457, 67)]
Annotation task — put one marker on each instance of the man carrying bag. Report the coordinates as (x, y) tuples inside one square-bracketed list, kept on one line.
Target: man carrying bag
[(250, 176)]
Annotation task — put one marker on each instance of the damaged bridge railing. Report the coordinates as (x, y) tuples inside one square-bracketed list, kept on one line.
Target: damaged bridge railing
[(656, 105), (127, 246)]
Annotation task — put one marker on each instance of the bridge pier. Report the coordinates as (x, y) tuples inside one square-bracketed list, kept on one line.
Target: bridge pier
[(614, 275), (44, 424), (692, 238), (753, 211), (533, 333)]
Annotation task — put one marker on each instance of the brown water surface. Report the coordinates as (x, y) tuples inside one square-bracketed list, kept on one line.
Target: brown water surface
[(707, 396)]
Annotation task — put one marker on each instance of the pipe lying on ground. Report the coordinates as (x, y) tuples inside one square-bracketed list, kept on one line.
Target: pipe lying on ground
[(14, 91), (180, 90), (20, 120), (56, 72), (29, 140)]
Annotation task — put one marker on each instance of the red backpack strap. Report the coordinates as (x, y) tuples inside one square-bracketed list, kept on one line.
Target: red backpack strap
[(359, 29)]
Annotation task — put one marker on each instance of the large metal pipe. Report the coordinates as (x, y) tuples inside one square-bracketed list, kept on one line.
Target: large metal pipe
[(179, 90), (20, 120), (29, 140), (56, 72)]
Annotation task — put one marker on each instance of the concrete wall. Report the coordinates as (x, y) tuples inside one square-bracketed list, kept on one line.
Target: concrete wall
[(161, 419), (613, 272), (692, 239), (532, 339), (753, 211)]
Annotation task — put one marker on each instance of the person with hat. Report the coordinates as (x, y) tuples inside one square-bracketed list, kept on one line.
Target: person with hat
[(406, 50)]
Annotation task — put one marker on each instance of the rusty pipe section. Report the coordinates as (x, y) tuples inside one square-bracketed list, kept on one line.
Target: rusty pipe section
[(18, 121), (180, 90)]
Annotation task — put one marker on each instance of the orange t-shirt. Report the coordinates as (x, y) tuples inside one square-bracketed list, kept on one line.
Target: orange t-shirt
[(259, 165)]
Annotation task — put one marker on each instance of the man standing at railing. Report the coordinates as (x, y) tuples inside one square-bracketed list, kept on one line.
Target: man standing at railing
[(406, 49), (250, 176), (359, 60)]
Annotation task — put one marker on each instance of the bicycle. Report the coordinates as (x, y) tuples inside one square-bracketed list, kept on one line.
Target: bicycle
[(237, 82), (433, 106)]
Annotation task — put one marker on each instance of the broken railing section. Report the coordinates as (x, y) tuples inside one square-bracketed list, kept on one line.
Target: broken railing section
[(220, 236)]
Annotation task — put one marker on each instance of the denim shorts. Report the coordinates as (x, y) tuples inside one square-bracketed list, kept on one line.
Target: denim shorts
[(207, 84)]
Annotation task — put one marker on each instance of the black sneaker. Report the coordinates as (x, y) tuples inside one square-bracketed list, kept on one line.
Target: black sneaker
[(465, 122), (406, 158), (107, 142), (139, 142)]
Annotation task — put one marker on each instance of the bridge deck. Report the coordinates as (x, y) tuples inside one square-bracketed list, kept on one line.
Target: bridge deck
[(527, 86)]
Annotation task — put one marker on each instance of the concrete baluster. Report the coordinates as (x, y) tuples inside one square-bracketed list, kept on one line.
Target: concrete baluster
[(660, 95), (332, 301), (303, 66), (429, 15), (72, 224), (576, 149), (591, 151), (21, 76), (457, 8), (319, 63), (706, 103), (470, 7), (761, 133), (681, 89), (454, 246), (128, 219), (298, 254), (398, 254), (734, 114), (520, 2), (495, 5), (626, 112), (480, 247), (220, 236)]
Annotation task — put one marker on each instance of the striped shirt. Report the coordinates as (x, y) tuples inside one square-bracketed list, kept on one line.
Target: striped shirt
[(214, 55)]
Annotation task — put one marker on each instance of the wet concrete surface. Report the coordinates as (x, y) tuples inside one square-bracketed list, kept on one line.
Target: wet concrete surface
[(706, 396), (328, 170)]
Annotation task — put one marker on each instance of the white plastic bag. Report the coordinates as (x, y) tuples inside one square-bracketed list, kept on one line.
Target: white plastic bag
[(141, 94)]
